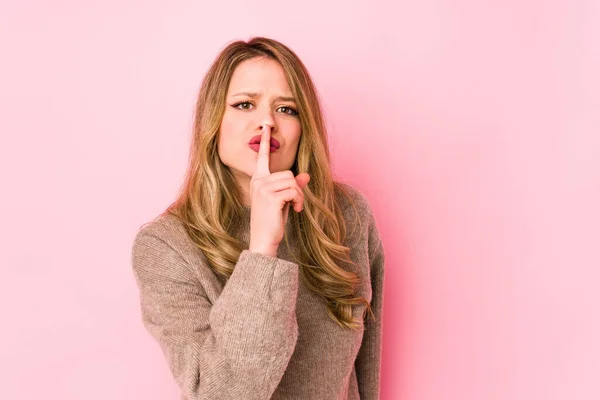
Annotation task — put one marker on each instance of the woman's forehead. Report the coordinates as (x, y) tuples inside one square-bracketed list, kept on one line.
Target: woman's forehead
[(258, 75)]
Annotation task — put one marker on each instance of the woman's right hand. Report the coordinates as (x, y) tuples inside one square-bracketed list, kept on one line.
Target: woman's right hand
[(271, 195)]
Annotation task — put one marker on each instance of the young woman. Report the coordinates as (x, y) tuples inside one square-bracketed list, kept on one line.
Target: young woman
[(264, 279)]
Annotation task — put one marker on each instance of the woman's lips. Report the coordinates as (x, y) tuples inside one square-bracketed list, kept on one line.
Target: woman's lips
[(256, 147), (255, 143)]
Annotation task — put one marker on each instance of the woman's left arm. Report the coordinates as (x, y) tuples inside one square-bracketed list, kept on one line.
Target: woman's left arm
[(368, 360)]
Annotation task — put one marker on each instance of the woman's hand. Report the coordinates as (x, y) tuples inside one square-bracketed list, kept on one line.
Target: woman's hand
[(271, 196)]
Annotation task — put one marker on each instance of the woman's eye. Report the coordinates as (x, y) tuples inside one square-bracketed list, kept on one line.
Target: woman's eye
[(242, 105), (245, 105), (288, 110)]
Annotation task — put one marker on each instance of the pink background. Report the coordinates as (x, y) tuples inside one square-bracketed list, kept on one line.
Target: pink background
[(472, 126)]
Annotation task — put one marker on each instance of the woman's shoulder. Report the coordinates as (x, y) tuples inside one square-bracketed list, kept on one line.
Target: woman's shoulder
[(356, 209), (163, 225), (169, 229), (352, 200)]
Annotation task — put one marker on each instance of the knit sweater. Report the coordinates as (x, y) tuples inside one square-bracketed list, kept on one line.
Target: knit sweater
[(262, 334)]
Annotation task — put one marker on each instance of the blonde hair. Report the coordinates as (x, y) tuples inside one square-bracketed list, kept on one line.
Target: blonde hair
[(209, 199)]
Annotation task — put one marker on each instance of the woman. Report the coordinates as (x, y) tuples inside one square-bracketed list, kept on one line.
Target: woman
[(237, 314)]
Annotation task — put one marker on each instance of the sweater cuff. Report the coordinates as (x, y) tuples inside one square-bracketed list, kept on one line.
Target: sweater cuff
[(272, 276)]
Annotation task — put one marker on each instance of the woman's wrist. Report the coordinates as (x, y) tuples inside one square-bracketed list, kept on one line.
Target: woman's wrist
[(268, 251)]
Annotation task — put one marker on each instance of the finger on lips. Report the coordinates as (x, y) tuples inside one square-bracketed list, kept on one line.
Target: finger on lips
[(263, 152), (280, 182)]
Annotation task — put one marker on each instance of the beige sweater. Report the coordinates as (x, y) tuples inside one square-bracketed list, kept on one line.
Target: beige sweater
[(263, 335)]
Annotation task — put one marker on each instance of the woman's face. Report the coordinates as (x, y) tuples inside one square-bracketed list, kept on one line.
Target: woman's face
[(258, 94)]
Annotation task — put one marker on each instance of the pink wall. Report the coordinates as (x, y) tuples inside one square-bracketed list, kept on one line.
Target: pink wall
[(484, 173)]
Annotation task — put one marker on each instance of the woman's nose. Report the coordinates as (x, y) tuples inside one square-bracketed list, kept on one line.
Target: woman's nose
[(264, 123)]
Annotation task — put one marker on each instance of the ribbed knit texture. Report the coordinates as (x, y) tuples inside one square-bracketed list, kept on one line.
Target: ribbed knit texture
[(262, 335)]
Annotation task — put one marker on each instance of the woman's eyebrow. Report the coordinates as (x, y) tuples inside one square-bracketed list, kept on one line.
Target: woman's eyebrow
[(252, 95)]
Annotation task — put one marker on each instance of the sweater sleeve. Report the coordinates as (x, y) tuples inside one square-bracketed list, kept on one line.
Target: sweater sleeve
[(238, 347), (368, 360)]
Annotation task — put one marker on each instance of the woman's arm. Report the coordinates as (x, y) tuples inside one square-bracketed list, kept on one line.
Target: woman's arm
[(236, 348), (368, 360)]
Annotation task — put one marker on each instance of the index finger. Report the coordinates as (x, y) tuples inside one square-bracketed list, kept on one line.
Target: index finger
[(262, 163)]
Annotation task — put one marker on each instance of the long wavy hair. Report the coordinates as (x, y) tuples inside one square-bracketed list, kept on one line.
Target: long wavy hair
[(210, 199)]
